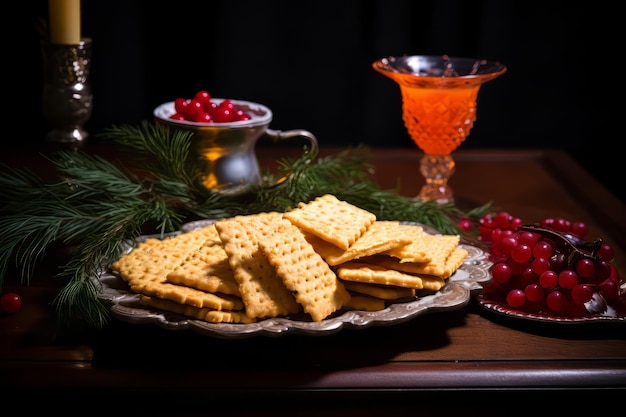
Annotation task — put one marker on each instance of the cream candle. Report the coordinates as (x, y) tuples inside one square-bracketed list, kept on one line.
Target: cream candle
[(64, 21)]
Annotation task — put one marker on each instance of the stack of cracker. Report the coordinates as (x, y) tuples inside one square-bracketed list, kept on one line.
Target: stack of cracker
[(319, 258)]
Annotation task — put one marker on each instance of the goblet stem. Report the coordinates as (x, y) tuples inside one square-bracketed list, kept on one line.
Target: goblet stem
[(436, 169)]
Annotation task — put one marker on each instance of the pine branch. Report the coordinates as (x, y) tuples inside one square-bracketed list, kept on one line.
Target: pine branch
[(96, 205)]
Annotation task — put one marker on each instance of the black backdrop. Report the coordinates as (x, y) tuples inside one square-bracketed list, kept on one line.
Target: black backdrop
[(310, 61)]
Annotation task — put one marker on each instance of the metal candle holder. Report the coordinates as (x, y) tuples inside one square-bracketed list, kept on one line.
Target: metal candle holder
[(67, 97)]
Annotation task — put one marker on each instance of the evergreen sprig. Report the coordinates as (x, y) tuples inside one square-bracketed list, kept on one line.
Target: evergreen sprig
[(96, 204)]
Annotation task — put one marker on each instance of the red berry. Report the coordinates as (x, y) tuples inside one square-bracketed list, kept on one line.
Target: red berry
[(534, 292), (241, 116), (204, 98), (516, 298), (540, 265), (606, 252), (609, 289), (528, 238), (507, 244), (501, 272), (465, 225), (503, 219), (585, 268), (521, 253), (194, 110), (568, 279), (582, 293), (554, 300), (542, 250), (561, 225), (10, 302), (613, 274), (204, 118), (180, 105), (579, 229), (548, 279)]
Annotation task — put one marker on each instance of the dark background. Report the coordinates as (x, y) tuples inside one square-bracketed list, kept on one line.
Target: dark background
[(310, 62)]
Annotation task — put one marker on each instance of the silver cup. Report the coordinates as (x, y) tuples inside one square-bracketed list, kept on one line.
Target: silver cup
[(227, 150)]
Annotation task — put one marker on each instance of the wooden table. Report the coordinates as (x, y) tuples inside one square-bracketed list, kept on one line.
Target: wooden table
[(449, 361)]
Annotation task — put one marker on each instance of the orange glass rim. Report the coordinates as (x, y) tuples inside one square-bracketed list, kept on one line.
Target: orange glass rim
[(438, 71)]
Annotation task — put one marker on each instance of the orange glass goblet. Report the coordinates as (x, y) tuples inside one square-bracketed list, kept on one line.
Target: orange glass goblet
[(438, 109)]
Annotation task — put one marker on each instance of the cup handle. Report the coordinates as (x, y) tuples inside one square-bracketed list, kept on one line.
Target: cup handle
[(279, 136)]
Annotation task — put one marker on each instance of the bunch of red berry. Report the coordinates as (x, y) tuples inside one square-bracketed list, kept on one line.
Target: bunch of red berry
[(203, 109), (549, 268)]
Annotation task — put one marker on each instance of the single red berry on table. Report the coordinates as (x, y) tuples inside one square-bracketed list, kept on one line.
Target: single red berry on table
[(465, 224), (10, 302)]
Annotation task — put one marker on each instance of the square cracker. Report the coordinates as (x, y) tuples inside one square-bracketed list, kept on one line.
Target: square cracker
[(145, 268), (303, 271), (262, 290), (375, 274), (416, 250), (379, 237), (429, 282), (364, 302), (384, 292), (202, 313), (332, 220), (446, 256), (207, 268), (426, 270)]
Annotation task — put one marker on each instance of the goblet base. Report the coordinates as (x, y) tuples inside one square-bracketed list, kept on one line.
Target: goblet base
[(442, 194)]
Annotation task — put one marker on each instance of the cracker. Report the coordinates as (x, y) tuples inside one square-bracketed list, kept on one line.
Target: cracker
[(432, 283), (385, 292), (429, 282), (207, 268), (262, 290), (455, 260), (145, 268), (303, 271), (202, 313), (153, 258), (439, 247), (375, 274), (187, 295), (416, 250), (441, 270), (379, 237), (364, 303), (332, 220)]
